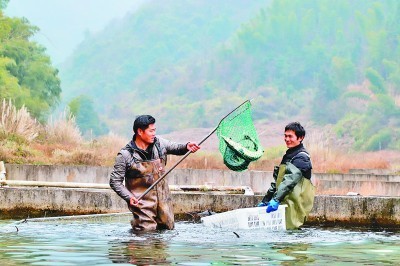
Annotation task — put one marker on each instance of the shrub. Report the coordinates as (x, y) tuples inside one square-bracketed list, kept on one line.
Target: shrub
[(17, 122), (63, 131), (379, 140)]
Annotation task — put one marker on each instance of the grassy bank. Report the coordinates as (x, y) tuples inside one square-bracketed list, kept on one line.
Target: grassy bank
[(25, 141)]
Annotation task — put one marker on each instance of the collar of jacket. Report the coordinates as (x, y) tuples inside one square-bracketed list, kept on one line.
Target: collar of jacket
[(131, 146), (291, 152)]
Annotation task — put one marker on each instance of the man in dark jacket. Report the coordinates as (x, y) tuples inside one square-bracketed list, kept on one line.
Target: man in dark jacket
[(140, 163), (292, 184)]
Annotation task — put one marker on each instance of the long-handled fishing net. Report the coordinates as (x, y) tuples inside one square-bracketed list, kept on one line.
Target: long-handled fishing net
[(239, 145), (239, 142)]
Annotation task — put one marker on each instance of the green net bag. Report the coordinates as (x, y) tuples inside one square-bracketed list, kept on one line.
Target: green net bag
[(238, 140)]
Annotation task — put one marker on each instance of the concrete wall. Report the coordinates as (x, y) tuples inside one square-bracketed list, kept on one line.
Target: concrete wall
[(328, 210), (337, 184), (58, 173)]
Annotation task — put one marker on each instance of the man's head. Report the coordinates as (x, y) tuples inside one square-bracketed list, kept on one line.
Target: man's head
[(294, 134), (144, 128)]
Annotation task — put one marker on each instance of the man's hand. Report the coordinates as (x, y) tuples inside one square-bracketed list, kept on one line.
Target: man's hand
[(133, 202), (193, 147), (272, 205), (261, 204)]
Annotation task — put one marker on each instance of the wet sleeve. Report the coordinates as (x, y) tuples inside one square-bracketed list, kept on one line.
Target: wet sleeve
[(292, 176), (270, 193), (117, 177), (173, 147), (272, 189)]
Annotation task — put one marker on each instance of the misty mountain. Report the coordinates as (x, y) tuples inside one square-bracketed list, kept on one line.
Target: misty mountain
[(189, 62), (111, 65)]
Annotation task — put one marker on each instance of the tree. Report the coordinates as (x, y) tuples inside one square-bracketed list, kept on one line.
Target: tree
[(86, 117), (26, 74), (3, 4)]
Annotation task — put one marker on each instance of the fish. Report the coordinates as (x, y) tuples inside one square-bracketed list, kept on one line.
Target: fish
[(233, 161), (245, 152)]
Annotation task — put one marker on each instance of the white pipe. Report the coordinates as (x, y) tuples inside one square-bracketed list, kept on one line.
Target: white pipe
[(202, 188), (52, 184)]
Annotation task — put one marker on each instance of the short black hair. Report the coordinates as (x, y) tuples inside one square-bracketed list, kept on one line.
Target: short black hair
[(143, 122), (297, 128)]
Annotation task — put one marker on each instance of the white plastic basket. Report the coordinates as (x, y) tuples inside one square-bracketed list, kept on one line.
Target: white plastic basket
[(248, 218)]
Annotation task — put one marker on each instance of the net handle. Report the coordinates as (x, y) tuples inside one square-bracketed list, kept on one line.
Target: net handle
[(188, 153)]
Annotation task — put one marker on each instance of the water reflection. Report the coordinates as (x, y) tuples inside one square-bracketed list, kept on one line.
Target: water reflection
[(96, 243), (139, 251), (297, 252)]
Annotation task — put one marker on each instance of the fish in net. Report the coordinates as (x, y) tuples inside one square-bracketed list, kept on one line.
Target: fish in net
[(238, 139)]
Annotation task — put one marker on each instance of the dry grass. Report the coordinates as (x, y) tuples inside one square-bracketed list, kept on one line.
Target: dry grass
[(326, 157), (63, 130), (99, 152), (365, 189), (214, 160), (22, 141), (199, 160), (59, 143), (17, 122), (334, 162), (109, 144)]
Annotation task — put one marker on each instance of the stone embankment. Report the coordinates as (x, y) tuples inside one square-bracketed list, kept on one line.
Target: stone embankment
[(38, 191)]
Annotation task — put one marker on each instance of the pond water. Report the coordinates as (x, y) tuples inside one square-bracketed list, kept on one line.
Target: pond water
[(112, 241)]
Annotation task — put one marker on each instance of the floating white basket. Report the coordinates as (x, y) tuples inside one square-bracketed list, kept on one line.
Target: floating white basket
[(248, 218)]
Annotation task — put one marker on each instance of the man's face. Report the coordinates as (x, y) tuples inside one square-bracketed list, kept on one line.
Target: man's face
[(291, 139), (148, 135)]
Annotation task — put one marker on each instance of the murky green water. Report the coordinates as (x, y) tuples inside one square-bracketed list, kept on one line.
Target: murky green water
[(112, 241)]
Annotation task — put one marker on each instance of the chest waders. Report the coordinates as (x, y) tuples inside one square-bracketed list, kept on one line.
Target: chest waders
[(300, 200), (155, 210)]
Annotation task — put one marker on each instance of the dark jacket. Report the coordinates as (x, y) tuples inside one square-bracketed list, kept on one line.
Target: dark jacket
[(299, 157)]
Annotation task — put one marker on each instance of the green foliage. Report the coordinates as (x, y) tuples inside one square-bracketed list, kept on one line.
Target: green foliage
[(375, 129), (383, 108), (26, 74), (343, 71), (3, 4), (377, 82), (160, 35), (12, 137), (347, 125), (379, 140), (86, 117), (274, 152), (392, 70), (9, 86), (356, 94)]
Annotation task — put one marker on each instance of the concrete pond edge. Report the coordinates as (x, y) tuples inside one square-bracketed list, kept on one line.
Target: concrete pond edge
[(30, 202)]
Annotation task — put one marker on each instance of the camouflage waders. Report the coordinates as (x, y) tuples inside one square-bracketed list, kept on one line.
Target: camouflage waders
[(155, 208)]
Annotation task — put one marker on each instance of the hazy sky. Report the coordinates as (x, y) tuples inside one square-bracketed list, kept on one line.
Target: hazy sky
[(63, 23)]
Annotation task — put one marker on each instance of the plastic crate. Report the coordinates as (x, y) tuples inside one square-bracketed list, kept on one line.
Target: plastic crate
[(248, 218)]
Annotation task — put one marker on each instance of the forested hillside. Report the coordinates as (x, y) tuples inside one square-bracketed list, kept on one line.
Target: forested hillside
[(26, 74), (157, 41), (188, 62)]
